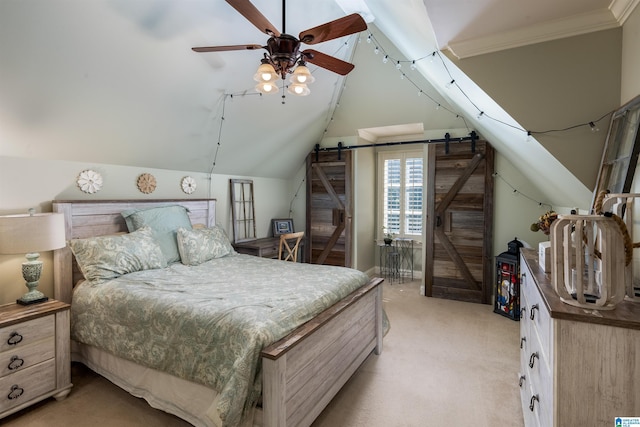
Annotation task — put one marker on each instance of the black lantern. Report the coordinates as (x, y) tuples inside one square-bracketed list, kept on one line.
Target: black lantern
[(507, 292)]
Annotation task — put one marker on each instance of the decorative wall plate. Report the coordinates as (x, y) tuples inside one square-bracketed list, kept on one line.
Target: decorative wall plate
[(146, 183), (188, 184), (89, 181)]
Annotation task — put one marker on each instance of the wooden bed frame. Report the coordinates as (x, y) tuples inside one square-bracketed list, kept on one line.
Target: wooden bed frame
[(303, 371)]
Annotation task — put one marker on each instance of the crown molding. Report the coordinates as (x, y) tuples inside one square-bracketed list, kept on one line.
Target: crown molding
[(598, 20), (621, 9)]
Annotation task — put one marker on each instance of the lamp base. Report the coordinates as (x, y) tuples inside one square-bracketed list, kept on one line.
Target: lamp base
[(32, 301)]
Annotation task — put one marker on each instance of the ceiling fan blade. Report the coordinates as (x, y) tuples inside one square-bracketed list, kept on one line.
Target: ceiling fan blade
[(350, 24), (328, 62), (223, 48), (253, 15)]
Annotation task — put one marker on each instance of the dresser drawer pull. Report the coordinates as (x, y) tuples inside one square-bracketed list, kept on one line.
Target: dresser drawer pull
[(523, 312), (532, 359), (534, 307), (521, 380), (14, 338), (15, 392), (522, 341), (15, 363), (532, 402)]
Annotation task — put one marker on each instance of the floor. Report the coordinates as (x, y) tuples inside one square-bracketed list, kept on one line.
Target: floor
[(444, 363)]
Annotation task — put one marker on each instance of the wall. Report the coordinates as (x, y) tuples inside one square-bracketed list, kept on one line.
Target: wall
[(26, 183), (555, 85)]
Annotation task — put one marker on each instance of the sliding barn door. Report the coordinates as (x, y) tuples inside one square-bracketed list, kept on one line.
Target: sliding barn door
[(458, 253), (329, 207)]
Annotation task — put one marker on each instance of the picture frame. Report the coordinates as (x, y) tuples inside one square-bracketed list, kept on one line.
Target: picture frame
[(281, 226)]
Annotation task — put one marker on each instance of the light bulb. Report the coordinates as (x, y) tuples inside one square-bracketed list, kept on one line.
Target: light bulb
[(385, 59), (593, 126), (413, 65), (398, 65)]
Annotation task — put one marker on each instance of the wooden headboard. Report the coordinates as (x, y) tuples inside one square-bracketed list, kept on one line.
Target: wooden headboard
[(101, 217)]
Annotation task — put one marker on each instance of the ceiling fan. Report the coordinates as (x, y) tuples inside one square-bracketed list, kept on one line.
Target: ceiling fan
[(283, 55)]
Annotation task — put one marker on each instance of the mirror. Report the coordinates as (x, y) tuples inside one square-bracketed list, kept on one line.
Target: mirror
[(242, 210)]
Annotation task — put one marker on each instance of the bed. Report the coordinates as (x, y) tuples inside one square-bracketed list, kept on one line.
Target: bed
[(300, 368)]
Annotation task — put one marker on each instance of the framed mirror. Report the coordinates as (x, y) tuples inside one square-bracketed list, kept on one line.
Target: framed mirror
[(620, 155), (242, 210)]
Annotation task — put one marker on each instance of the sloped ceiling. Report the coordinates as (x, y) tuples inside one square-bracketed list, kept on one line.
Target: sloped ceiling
[(116, 81)]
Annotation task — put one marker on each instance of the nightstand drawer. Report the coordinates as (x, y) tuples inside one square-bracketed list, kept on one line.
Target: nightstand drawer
[(25, 333), (18, 359), (27, 384)]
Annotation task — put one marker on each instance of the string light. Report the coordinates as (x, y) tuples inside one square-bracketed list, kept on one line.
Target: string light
[(518, 192), (481, 114)]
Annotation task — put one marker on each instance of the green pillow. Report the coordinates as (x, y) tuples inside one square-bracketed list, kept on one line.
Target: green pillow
[(164, 221), (199, 245), (104, 258)]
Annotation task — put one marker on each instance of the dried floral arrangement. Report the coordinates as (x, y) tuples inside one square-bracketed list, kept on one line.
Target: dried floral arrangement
[(544, 222)]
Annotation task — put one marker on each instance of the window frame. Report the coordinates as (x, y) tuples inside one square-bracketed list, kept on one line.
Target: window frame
[(403, 155)]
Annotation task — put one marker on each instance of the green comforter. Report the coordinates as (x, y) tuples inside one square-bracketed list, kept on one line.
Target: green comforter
[(208, 323)]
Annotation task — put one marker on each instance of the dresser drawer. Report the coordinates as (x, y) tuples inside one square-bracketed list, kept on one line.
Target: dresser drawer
[(27, 384), (537, 315), (20, 358), (25, 333)]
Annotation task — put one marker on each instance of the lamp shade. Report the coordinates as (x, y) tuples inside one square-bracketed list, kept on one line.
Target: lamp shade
[(299, 89), (302, 75), (26, 233)]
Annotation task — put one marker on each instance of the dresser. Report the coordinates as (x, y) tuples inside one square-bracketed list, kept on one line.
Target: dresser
[(34, 354), (577, 367)]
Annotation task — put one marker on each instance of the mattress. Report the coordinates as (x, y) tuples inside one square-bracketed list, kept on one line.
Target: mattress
[(207, 324)]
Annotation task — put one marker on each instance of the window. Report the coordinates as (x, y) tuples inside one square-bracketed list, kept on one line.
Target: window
[(400, 183)]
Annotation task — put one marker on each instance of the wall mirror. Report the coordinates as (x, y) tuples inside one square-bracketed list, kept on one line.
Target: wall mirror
[(242, 210), (621, 149)]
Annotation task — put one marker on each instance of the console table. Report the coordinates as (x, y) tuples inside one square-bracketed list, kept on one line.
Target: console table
[(265, 247)]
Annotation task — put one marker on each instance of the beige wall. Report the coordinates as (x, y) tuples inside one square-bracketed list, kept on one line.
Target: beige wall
[(26, 183), (554, 85)]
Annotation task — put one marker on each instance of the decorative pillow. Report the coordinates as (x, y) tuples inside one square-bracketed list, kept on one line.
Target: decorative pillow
[(106, 257), (202, 244), (164, 221)]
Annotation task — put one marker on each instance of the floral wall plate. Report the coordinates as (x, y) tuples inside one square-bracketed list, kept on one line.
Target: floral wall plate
[(146, 183), (89, 181), (188, 184)]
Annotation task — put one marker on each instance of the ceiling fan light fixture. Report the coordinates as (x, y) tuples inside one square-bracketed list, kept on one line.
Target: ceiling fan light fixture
[(265, 74), (267, 87), (299, 89), (302, 75)]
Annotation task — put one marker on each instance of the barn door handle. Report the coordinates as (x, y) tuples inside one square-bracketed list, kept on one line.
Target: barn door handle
[(438, 221)]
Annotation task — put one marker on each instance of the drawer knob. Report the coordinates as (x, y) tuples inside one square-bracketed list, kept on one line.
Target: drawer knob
[(521, 380), (522, 341), (534, 307), (14, 338), (523, 310), (15, 392), (532, 402), (532, 359), (15, 363)]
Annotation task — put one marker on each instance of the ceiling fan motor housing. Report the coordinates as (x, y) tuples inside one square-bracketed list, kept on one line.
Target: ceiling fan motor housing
[(283, 53)]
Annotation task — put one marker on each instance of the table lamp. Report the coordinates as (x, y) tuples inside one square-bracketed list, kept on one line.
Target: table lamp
[(31, 233)]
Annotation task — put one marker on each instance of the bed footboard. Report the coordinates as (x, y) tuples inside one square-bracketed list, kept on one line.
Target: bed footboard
[(304, 371)]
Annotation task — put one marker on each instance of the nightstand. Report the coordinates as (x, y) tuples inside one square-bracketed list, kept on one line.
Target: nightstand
[(34, 354)]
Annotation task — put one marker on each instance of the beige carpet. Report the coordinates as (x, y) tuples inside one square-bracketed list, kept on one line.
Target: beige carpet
[(445, 363)]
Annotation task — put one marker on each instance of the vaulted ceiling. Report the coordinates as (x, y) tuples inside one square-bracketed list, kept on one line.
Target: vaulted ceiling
[(116, 81)]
